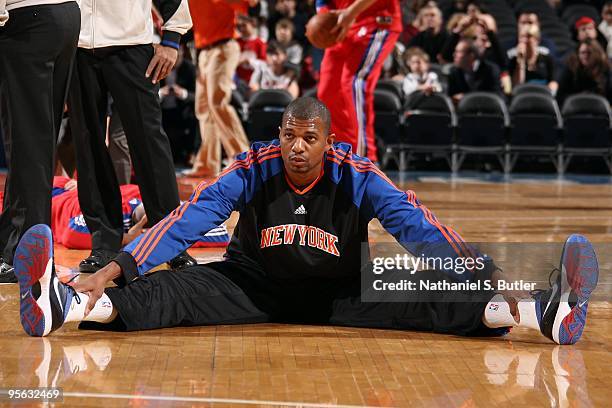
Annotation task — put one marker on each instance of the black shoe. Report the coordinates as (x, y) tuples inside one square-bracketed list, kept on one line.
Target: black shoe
[(182, 261), (7, 273), (98, 259)]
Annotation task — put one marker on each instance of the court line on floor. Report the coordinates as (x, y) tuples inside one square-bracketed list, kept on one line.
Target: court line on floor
[(208, 400), (546, 217)]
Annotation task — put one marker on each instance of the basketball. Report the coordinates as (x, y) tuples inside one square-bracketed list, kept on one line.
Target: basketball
[(318, 30)]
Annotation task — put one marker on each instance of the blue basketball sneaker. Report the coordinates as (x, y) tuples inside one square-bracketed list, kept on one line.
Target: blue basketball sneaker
[(44, 300), (562, 309)]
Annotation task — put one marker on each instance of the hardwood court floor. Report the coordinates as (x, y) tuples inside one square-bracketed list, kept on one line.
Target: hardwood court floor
[(293, 365)]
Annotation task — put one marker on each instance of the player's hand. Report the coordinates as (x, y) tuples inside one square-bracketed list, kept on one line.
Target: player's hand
[(162, 62), (70, 185), (135, 231), (345, 21), (94, 285)]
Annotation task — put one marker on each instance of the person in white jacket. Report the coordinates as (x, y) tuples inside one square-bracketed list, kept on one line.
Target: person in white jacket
[(38, 40), (420, 78), (116, 56)]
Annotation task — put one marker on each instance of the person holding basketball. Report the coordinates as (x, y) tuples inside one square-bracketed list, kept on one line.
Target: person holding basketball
[(366, 32)]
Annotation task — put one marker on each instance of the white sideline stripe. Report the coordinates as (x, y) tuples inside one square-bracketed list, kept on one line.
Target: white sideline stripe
[(547, 217), (204, 399)]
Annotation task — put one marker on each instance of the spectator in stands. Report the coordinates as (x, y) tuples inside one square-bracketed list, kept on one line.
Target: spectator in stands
[(586, 30), (478, 29), (588, 70), (605, 28), (275, 73), (411, 22), (477, 11), (251, 47), (471, 73), (529, 66), (288, 9), (433, 35), (419, 77), (546, 47), (284, 36), (455, 7), (177, 96)]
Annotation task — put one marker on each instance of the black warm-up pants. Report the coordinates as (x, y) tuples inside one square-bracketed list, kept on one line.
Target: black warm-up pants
[(37, 47), (229, 292), (119, 71)]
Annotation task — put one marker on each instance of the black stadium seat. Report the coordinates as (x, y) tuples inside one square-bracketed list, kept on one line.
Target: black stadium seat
[(572, 13), (482, 123), (428, 127), (535, 127), (531, 89), (587, 128), (391, 86), (387, 108), (237, 101), (266, 109)]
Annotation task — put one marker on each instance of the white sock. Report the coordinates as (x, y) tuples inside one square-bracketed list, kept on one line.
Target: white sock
[(102, 312), (527, 312), (497, 313)]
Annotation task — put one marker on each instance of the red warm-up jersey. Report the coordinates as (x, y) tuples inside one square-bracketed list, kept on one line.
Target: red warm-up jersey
[(382, 13)]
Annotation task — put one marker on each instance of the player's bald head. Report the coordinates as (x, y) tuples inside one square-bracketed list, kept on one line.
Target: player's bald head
[(308, 108)]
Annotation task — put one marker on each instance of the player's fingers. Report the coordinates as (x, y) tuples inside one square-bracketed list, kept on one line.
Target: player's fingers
[(167, 69), (157, 71), (93, 298), (152, 65)]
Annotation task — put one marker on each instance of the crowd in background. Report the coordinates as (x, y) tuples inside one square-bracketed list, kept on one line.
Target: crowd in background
[(455, 50)]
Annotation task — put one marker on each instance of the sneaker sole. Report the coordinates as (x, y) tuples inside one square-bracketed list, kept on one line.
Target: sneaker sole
[(579, 276), (33, 263)]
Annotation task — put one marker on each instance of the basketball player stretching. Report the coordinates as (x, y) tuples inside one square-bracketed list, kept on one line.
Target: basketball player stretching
[(305, 204), (367, 30)]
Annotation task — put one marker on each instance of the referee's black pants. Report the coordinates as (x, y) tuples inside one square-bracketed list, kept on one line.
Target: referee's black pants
[(119, 71), (37, 47), (230, 292)]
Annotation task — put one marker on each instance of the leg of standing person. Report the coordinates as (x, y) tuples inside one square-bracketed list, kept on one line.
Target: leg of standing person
[(99, 194), (361, 73), (365, 81), (337, 96), (37, 46), (118, 149), (136, 100), (207, 162), (221, 122)]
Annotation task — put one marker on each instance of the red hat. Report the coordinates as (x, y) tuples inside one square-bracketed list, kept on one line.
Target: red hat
[(584, 21)]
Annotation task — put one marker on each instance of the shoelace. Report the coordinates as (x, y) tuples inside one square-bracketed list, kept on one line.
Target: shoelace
[(75, 294), (550, 283)]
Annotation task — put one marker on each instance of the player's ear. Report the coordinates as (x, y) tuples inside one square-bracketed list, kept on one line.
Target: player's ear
[(331, 138), (280, 131)]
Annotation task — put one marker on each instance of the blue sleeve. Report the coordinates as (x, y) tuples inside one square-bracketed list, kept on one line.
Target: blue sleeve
[(210, 205), (414, 226)]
